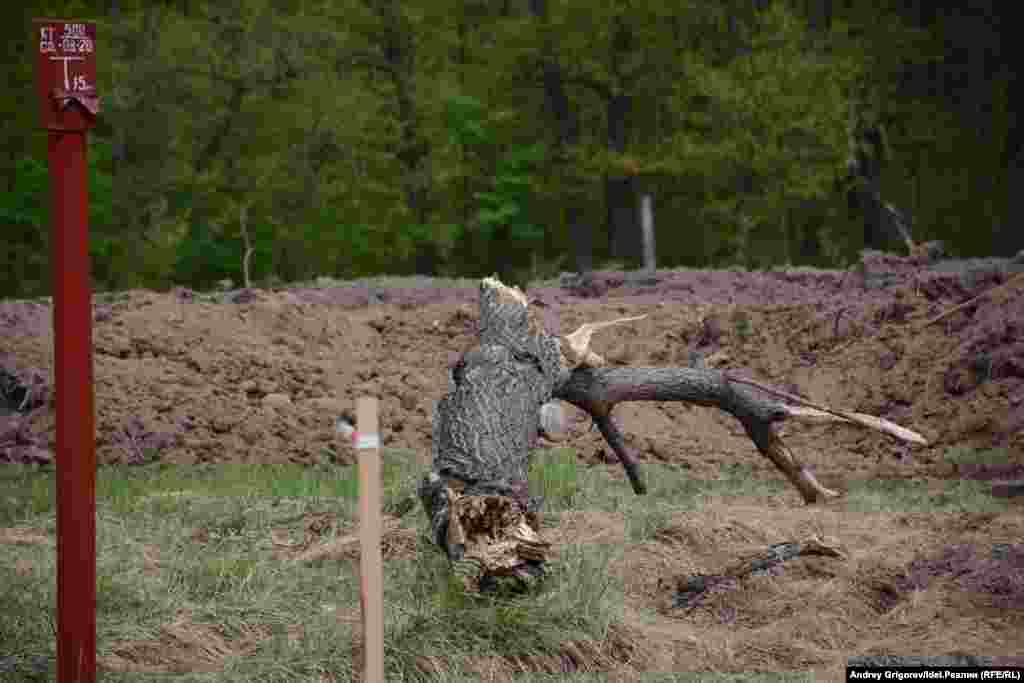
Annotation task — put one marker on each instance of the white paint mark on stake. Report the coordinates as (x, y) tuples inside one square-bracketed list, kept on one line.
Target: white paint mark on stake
[(67, 81), (371, 566), (553, 421), (364, 441)]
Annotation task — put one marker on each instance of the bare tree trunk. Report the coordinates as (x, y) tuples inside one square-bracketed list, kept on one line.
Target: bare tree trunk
[(647, 225), (476, 496), (620, 187), (243, 215), (1009, 237), (623, 234), (868, 154)]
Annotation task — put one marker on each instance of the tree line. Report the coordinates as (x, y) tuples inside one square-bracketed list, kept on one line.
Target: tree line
[(465, 137)]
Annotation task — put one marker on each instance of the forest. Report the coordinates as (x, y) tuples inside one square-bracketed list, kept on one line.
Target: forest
[(345, 138)]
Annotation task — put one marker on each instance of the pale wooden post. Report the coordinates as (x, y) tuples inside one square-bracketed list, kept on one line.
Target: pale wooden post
[(371, 569), (647, 226)]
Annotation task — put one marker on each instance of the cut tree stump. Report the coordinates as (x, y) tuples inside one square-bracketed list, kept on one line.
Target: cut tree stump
[(476, 496)]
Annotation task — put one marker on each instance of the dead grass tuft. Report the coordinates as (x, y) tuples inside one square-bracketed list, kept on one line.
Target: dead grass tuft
[(183, 646)]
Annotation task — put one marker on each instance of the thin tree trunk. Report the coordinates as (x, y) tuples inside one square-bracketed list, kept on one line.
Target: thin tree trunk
[(243, 216), (647, 223), (623, 232), (1010, 236), (620, 190)]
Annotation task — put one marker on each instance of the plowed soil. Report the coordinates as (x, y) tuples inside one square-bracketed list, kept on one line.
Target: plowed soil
[(262, 376)]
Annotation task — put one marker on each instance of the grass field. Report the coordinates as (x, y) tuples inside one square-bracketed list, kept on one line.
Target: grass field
[(191, 580)]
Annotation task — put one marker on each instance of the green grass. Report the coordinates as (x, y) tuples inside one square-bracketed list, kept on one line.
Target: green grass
[(434, 618), (962, 455), (233, 579), (901, 495), (741, 322), (555, 474), (29, 490)]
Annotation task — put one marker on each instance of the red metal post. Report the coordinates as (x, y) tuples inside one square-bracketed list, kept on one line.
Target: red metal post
[(76, 457), (66, 78)]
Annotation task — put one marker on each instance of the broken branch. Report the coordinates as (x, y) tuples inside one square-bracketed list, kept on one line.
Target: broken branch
[(485, 428)]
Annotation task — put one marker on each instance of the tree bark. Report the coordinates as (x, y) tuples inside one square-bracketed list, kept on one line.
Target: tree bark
[(243, 216), (620, 188), (1009, 237), (476, 496), (868, 156)]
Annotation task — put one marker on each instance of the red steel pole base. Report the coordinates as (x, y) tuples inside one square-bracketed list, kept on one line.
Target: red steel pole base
[(76, 455)]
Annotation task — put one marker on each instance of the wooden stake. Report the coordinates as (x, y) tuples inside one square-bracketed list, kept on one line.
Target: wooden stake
[(371, 569)]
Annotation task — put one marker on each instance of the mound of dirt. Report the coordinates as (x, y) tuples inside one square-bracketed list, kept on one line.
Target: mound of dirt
[(264, 377)]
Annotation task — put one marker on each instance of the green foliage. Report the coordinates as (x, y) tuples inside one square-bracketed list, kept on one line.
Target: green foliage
[(741, 323), (502, 210), (555, 475), (27, 205), (465, 120), (369, 137), (203, 259), (436, 238), (25, 221), (108, 253), (507, 205), (764, 129), (342, 249), (101, 184)]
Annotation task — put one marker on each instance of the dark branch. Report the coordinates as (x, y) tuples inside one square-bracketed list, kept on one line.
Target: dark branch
[(486, 427), (614, 438)]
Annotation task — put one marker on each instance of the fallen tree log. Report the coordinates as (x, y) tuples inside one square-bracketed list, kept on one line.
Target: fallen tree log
[(476, 495), (691, 591)]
